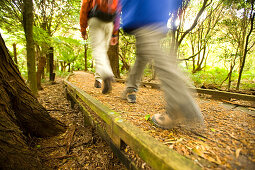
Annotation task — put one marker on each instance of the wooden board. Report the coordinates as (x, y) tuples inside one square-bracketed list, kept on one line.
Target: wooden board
[(153, 152), (214, 93)]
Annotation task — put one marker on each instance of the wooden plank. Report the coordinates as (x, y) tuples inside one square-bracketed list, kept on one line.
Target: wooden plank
[(215, 93), (157, 155), (154, 153), (116, 149), (152, 85), (229, 95)]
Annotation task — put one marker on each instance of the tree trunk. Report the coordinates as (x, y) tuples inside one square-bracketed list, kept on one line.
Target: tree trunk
[(69, 67), (246, 47), (41, 62), (63, 66), (86, 57), (47, 68), (232, 65), (43, 72), (113, 54), (21, 117), (125, 65), (51, 64), (28, 28), (40, 71), (15, 53), (230, 77)]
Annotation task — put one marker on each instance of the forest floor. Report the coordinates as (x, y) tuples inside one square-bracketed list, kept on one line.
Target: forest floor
[(79, 147), (227, 142)]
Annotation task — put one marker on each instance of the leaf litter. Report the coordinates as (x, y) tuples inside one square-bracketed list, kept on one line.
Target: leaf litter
[(79, 147), (228, 140)]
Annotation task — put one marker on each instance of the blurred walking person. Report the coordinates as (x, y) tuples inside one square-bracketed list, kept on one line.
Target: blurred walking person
[(147, 20), (101, 17)]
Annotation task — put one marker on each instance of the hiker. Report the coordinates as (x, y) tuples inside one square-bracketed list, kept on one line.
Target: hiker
[(147, 20), (102, 18)]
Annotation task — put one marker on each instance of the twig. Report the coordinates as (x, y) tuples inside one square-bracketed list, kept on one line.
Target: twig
[(52, 110), (61, 157), (69, 138)]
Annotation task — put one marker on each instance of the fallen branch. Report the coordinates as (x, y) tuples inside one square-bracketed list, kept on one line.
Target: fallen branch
[(62, 157), (70, 138), (52, 110)]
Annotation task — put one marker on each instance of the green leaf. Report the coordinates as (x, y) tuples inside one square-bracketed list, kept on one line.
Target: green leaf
[(203, 139), (147, 117), (213, 130)]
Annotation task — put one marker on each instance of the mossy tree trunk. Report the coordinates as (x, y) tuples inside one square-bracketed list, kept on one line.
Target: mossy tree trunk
[(21, 117)]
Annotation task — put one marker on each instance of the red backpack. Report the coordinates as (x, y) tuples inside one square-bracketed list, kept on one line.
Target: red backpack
[(105, 10)]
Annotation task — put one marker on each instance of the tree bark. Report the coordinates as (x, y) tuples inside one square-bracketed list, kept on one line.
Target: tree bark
[(21, 117), (113, 54), (86, 57), (15, 53), (232, 65), (40, 71), (51, 62), (41, 62), (28, 28)]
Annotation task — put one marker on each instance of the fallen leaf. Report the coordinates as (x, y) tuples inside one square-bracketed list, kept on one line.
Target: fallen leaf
[(147, 117), (238, 152), (203, 139), (197, 150)]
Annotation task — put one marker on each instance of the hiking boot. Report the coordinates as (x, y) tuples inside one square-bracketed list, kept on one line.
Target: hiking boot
[(163, 121), (107, 85), (129, 95), (97, 84)]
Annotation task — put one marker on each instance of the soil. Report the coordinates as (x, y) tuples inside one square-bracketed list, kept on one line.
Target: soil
[(228, 139), (79, 147)]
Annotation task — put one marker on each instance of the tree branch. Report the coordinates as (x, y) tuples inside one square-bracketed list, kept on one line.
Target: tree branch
[(205, 5), (185, 59)]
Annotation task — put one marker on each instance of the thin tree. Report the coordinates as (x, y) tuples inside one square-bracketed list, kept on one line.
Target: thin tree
[(86, 56), (252, 14), (14, 45), (178, 35), (28, 23)]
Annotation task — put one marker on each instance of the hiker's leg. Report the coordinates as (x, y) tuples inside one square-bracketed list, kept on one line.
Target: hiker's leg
[(136, 72), (180, 104), (97, 77), (99, 35)]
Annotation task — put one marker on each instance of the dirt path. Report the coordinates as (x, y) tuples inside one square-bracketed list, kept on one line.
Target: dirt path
[(80, 147), (227, 142)]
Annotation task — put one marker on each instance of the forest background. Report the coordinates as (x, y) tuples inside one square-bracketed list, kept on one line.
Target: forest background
[(213, 40)]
